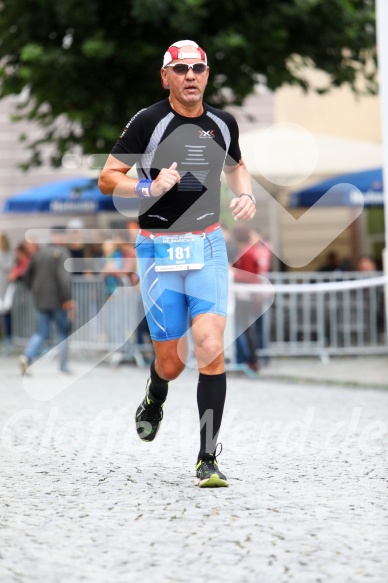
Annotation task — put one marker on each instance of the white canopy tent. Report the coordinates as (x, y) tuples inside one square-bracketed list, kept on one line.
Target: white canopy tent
[(287, 154)]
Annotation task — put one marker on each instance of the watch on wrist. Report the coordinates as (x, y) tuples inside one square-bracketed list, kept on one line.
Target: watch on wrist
[(250, 196)]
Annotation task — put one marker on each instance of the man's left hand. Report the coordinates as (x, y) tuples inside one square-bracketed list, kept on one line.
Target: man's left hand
[(244, 208)]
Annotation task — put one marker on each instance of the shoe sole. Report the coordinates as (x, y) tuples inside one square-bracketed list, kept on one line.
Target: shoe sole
[(213, 482)]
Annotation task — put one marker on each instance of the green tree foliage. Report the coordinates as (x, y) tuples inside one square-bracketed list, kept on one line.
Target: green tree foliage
[(92, 64)]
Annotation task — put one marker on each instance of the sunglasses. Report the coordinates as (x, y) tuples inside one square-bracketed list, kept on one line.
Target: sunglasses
[(183, 68)]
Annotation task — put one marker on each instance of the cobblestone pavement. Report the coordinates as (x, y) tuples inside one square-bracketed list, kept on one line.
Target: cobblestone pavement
[(83, 499), (364, 371)]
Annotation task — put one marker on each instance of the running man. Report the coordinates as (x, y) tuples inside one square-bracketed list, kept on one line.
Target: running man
[(181, 145)]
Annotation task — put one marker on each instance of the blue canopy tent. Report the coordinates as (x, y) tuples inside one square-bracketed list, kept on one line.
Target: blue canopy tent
[(72, 196), (352, 189)]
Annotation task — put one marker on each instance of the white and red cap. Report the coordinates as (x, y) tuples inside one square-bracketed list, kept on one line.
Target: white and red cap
[(174, 52)]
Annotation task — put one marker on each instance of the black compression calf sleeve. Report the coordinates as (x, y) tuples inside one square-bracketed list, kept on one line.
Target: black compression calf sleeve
[(159, 386), (211, 393)]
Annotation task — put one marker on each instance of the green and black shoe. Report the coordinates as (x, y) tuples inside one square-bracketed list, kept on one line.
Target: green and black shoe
[(208, 474), (149, 416)]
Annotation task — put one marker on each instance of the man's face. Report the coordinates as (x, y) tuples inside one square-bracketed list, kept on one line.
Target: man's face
[(186, 88)]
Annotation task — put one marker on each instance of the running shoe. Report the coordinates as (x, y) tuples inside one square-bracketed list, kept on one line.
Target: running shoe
[(149, 416), (24, 363), (208, 474)]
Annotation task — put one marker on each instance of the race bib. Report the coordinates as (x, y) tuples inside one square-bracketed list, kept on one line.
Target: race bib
[(179, 252)]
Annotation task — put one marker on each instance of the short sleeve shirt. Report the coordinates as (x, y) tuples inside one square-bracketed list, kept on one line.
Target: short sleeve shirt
[(158, 136)]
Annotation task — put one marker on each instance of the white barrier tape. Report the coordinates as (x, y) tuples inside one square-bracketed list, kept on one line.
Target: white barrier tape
[(310, 287)]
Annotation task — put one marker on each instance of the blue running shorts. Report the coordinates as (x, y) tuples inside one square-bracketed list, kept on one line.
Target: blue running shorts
[(173, 298)]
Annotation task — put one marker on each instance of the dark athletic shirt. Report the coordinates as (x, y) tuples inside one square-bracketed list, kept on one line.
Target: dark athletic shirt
[(158, 136)]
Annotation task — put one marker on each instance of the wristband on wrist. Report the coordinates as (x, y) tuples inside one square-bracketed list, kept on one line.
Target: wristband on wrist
[(143, 188), (250, 196)]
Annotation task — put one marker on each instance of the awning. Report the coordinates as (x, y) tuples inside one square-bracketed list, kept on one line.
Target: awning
[(352, 189), (74, 196), (287, 154)]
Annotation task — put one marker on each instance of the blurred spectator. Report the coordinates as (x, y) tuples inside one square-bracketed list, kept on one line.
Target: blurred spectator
[(16, 273), (126, 245), (247, 304), (112, 266), (128, 252), (50, 285), (346, 264), (143, 338), (332, 262), (31, 247), (129, 249), (93, 254), (264, 265), (76, 244), (133, 229), (89, 297), (371, 297), (231, 246), (366, 263), (264, 254), (112, 271), (22, 260), (6, 289)]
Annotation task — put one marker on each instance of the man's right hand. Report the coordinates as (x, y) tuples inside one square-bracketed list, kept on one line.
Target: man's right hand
[(166, 179), (69, 306)]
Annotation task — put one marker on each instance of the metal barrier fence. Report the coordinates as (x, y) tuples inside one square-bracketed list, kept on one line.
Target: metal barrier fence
[(101, 321), (302, 320), (338, 313)]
